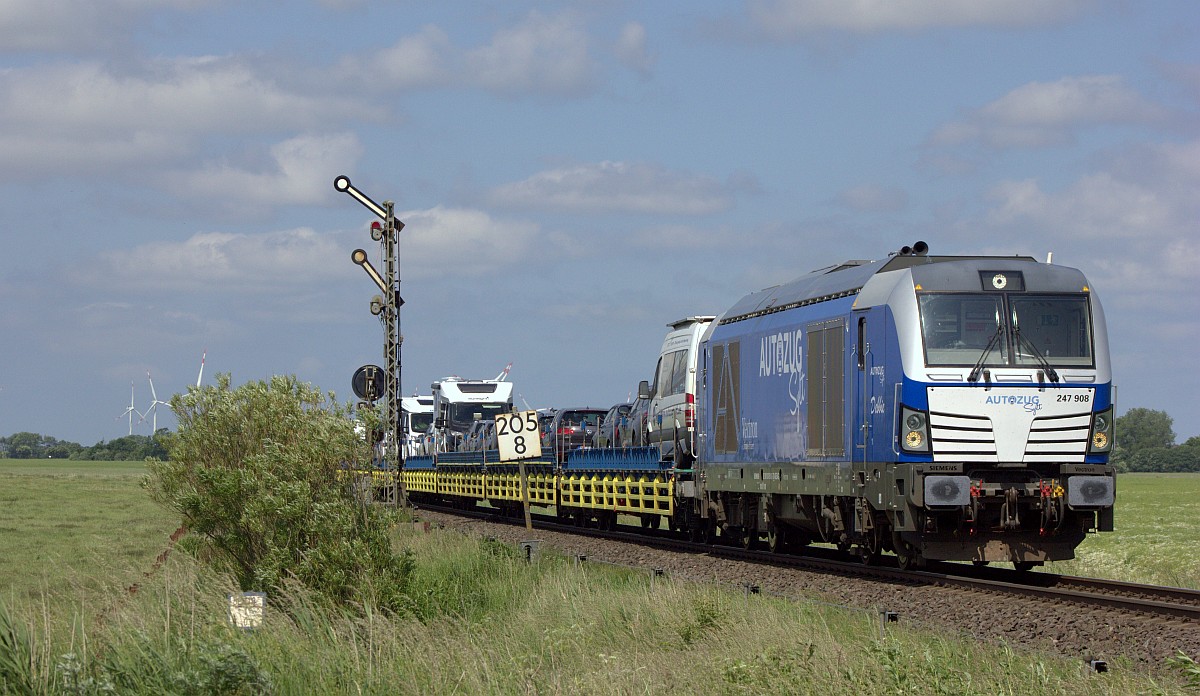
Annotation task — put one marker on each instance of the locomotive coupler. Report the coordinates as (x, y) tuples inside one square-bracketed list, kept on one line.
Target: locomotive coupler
[(1010, 515), (1052, 507)]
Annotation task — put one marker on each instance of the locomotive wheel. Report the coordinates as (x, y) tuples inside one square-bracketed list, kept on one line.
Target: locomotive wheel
[(778, 539), (872, 544), (650, 521), (868, 550), (749, 539), (907, 556)]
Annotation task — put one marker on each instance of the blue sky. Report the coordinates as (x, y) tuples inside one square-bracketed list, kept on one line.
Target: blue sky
[(573, 176)]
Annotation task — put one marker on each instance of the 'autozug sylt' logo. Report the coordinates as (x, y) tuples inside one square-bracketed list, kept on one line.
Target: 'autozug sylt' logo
[(1030, 402)]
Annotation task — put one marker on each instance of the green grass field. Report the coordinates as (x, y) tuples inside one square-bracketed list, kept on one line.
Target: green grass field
[(67, 527), (1157, 523), (75, 536)]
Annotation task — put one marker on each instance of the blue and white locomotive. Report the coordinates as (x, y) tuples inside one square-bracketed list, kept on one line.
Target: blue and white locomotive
[(941, 407)]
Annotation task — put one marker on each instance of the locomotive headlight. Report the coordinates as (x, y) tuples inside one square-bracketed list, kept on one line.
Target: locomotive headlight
[(1102, 432), (914, 431)]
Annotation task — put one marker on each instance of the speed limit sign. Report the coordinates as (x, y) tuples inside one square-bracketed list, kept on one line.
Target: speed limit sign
[(517, 436)]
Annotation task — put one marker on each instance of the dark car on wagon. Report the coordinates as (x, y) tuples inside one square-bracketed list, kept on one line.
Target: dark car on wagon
[(606, 434), (571, 428), (634, 425)]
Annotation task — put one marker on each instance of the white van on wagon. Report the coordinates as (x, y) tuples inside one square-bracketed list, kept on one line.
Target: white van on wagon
[(671, 414)]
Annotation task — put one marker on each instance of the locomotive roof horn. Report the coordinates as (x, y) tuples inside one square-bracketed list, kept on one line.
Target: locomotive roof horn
[(917, 249)]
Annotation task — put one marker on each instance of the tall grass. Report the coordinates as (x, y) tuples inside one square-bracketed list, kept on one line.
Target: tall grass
[(484, 621)]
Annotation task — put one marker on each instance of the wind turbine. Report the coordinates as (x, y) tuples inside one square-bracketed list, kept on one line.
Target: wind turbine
[(131, 410), (201, 375), (152, 410)]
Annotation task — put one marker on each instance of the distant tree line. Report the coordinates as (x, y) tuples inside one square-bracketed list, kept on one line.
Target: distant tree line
[(131, 448), (1145, 442)]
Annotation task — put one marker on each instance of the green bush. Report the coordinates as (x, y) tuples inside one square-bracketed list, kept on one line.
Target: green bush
[(254, 473)]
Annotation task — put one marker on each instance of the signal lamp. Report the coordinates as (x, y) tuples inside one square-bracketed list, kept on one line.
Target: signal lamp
[(1100, 441), (913, 439)]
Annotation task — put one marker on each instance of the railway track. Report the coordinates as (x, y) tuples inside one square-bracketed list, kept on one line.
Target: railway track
[(1168, 604)]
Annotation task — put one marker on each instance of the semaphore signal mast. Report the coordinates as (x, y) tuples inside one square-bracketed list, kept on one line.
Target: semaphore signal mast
[(387, 307)]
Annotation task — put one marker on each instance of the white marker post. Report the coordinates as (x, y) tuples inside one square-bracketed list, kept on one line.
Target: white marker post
[(518, 438)]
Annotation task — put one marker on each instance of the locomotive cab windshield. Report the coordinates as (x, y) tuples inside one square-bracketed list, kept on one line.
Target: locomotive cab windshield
[(1006, 330)]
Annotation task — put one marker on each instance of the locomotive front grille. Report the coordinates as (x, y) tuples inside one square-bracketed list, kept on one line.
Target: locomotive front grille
[(1009, 425), (957, 438), (1051, 439), (1058, 438)]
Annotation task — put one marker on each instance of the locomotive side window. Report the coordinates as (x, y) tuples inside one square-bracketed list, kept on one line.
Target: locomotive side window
[(958, 327), (1057, 326)]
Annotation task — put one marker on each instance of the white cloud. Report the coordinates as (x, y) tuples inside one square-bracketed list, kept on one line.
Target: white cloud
[(220, 262), (1048, 113), (542, 54), (1133, 225), (538, 55), (1146, 195), (618, 187), (1097, 207), (73, 24), (435, 243), (184, 96), (422, 60), (447, 242), (299, 173), (787, 18), (631, 49), (82, 117)]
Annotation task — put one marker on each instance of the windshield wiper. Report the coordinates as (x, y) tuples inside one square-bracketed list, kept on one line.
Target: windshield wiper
[(975, 371), (1042, 361)]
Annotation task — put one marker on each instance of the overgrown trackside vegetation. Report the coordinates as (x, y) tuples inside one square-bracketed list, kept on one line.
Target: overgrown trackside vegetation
[(490, 623), (254, 475)]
